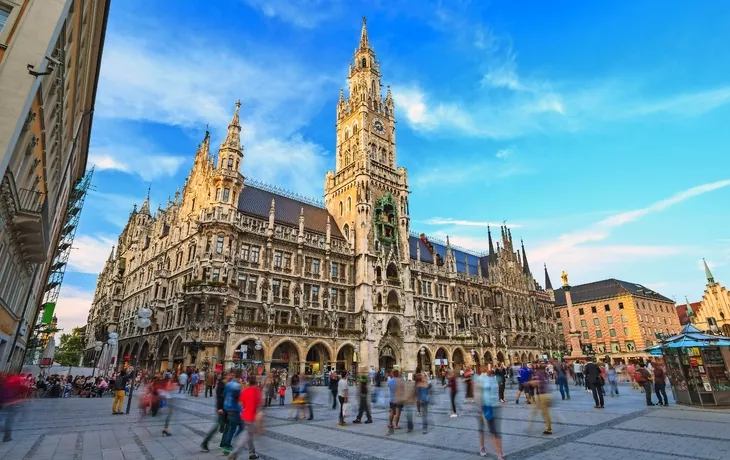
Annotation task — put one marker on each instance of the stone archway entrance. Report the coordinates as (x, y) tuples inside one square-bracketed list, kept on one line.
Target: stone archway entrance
[(285, 356), (318, 360), (458, 361), (425, 363), (500, 357), (163, 354), (345, 359), (390, 346)]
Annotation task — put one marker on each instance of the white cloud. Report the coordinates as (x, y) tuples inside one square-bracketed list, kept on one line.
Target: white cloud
[(112, 207), (72, 307), (189, 82), (307, 14), (133, 160), (507, 102), (90, 252), (466, 223), (503, 153)]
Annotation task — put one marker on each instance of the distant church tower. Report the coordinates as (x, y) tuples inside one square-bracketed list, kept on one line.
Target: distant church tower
[(368, 194)]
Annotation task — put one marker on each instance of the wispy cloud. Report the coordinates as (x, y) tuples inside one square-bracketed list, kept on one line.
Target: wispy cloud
[(580, 250), (90, 253), (133, 160), (503, 153), (308, 14), (112, 207), (602, 230), (465, 223), (72, 307), (189, 82), (507, 102)]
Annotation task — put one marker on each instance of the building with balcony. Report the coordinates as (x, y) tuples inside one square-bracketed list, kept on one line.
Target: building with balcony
[(343, 284), (50, 52), (617, 318)]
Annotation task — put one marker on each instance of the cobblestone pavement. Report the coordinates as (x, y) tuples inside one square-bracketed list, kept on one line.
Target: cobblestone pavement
[(84, 429)]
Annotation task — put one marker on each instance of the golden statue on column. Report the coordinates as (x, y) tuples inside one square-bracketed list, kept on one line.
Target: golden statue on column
[(564, 276)]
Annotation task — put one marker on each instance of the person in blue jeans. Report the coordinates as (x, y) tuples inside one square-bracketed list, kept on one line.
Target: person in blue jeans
[(232, 409), (562, 379)]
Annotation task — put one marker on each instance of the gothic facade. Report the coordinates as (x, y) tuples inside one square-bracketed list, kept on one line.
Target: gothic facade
[(308, 286)]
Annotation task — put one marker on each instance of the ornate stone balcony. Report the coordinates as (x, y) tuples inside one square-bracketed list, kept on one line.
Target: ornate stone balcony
[(29, 213)]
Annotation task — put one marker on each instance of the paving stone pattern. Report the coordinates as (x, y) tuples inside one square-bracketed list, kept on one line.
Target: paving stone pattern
[(84, 429)]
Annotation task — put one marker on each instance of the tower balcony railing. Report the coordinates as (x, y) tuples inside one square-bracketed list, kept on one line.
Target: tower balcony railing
[(227, 174)]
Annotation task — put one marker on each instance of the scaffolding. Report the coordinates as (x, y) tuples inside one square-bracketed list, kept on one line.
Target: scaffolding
[(45, 324)]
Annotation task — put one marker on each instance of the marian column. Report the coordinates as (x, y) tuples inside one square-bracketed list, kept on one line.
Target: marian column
[(573, 334)]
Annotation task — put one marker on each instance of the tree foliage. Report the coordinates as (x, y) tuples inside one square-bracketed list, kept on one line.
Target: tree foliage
[(69, 350)]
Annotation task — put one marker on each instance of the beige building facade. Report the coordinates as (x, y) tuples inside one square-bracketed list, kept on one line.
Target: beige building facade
[(617, 318), (713, 315), (50, 53), (308, 286)]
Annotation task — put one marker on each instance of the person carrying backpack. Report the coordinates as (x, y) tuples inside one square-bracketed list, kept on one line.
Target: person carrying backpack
[(643, 378)]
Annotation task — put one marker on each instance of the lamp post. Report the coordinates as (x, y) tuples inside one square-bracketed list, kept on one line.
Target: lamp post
[(97, 349), (258, 347), (143, 322), (421, 353)]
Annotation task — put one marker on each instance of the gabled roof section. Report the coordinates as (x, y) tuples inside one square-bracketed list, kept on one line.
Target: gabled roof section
[(682, 311), (256, 201), (606, 289), (464, 258)]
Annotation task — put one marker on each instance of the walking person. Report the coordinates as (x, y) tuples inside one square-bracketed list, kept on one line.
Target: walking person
[(395, 385), (232, 408), (220, 424), (592, 375), (542, 398), (165, 395), (660, 385), (501, 374), (210, 379), (342, 392), (305, 397), (182, 380), (250, 400), (612, 380), (364, 404), (578, 372), (525, 376), (561, 370), (423, 396), (120, 385), (453, 389), (487, 387), (333, 389), (643, 379)]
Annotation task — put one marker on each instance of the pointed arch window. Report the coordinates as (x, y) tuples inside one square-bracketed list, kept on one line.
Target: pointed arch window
[(354, 128), (349, 204), (342, 209), (230, 162), (346, 231), (373, 152), (364, 62), (226, 194)]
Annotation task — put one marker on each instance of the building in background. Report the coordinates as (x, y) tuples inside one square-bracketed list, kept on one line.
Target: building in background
[(311, 286), (617, 318), (713, 314), (686, 314), (50, 53)]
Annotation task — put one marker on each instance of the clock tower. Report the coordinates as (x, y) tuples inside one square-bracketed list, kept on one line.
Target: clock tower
[(367, 194)]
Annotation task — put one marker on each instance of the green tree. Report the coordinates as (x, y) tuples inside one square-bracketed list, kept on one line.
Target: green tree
[(69, 350)]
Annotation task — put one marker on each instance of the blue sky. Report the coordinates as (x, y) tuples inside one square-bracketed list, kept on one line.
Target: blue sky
[(599, 135)]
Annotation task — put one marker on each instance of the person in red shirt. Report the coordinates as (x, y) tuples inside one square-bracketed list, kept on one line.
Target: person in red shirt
[(250, 398)]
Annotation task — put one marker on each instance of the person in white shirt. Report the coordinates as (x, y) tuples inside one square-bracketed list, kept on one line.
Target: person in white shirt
[(578, 371), (182, 380), (342, 391)]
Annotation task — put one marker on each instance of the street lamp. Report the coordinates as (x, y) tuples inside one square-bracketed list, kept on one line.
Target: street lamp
[(143, 322), (422, 352), (97, 348)]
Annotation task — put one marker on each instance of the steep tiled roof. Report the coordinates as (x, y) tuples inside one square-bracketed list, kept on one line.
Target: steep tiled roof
[(606, 289), (461, 256), (257, 202), (682, 311)]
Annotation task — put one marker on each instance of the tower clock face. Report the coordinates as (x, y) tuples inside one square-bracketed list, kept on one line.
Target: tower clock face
[(378, 125)]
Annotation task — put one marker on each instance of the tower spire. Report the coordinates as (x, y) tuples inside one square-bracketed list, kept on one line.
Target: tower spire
[(233, 138), (525, 265), (708, 274), (548, 284), (492, 254), (364, 43), (146, 204)]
